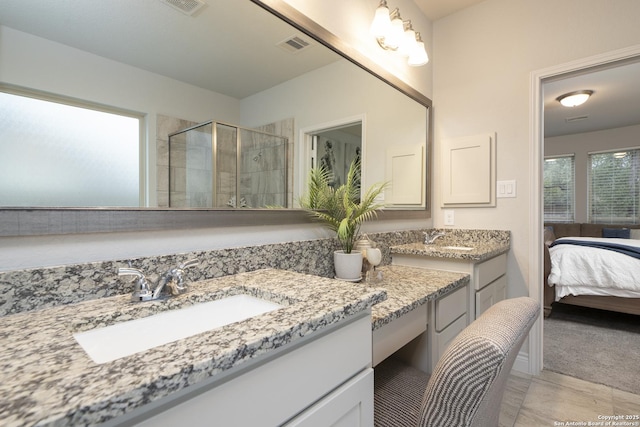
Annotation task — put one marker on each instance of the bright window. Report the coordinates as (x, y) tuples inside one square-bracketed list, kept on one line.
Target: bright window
[(559, 189), (614, 188), (66, 154)]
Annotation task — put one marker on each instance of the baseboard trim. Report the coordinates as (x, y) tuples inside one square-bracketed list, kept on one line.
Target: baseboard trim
[(521, 363)]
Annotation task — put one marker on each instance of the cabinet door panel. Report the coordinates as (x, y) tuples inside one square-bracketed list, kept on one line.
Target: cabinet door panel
[(486, 272), (484, 299), (500, 289), (351, 405), (444, 338), (450, 307)]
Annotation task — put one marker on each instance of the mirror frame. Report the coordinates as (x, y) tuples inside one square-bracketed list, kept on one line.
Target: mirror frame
[(51, 221)]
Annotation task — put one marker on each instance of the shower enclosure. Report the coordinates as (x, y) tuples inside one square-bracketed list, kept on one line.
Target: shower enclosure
[(219, 165)]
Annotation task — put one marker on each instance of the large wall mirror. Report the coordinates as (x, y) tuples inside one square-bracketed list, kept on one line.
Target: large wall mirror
[(255, 64)]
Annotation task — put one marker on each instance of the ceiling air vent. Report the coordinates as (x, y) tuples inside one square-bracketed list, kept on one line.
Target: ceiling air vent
[(188, 7), (576, 119), (294, 44)]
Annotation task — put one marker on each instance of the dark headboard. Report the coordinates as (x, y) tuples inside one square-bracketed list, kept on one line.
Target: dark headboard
[(583, 229)]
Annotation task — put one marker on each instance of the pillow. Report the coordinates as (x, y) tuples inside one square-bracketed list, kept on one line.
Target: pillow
[(549, 235), (619, 233), (635, 233)]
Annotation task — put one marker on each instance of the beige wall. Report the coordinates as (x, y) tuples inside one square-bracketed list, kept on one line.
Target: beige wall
[(483, 58), (580, 145)]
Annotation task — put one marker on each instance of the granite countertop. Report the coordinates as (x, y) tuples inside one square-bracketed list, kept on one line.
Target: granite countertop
[(410, 287), (442, 249), (47, 379)]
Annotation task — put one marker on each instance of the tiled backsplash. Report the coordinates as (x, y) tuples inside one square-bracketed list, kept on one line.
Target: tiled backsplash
[(33, 289)]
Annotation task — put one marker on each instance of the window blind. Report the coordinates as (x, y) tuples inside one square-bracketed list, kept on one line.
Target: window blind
[(614, 190)]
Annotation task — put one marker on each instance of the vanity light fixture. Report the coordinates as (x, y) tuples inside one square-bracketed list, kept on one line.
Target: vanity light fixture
[(392, 33), (573, 99)]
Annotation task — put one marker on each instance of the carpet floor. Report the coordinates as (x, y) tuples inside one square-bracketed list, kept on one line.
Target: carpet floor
[(594, 345)]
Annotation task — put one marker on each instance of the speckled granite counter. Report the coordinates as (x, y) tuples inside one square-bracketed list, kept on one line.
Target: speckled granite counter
[(410, 287), (47, 379), (484, 244)]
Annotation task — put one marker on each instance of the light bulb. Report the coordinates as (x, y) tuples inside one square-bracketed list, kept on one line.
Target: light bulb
[(395, 35), (408, 44), (381, 24), (419, 55)]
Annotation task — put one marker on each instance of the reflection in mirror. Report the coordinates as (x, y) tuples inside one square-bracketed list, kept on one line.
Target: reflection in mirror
[(335, 149), (61, 154), (250, 167), (158, 72)]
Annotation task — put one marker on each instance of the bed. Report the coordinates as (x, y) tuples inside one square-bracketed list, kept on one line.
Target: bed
[(583, 268)]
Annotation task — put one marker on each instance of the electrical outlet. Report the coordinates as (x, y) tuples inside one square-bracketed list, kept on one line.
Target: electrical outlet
[(449, 217)]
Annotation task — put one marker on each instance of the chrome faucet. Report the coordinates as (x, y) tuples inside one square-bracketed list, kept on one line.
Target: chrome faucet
[(431, 237), (171, 283), (141, 291)]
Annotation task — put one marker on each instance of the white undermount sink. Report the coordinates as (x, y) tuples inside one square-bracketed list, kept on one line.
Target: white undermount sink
[(124, 339), (457, 248)]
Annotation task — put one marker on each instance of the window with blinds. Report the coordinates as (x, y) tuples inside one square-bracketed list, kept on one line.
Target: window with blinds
[(559, 189), (614, 190)]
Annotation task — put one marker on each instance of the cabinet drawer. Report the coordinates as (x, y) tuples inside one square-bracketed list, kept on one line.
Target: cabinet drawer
[(450, 307), (488, 271), (444, 338), (392, 336), (491, 294)]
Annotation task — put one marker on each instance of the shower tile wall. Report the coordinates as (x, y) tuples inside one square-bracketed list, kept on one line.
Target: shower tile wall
[(198, 171), (250, 184), (164, 126), (284, 128), (262, 180), (226, 167)]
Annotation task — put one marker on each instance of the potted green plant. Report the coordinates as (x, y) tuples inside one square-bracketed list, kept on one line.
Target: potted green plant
[(342, 209)]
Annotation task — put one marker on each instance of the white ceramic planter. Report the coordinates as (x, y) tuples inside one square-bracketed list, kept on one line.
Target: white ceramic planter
[(348, 266)]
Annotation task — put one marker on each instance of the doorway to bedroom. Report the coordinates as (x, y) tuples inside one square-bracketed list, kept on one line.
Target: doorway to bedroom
[(591, 175)]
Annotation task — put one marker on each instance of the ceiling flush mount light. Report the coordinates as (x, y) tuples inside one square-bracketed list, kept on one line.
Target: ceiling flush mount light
[(573, 99), (392, 33)]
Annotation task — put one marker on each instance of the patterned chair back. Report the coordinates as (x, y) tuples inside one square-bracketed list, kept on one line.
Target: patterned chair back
[(468, 382)]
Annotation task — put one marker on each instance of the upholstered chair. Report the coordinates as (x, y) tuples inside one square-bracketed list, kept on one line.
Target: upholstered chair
[(468, 382)]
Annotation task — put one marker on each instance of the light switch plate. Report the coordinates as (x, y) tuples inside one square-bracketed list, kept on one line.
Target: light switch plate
[(506, 189), (449, 218)]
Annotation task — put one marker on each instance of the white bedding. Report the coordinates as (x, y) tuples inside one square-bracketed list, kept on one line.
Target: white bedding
[(581, 270)]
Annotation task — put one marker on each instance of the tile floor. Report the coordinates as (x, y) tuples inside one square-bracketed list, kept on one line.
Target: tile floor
[(552, 399)]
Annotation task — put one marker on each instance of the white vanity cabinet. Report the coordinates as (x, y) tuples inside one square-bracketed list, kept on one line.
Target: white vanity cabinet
[(488, 280), (448, 318), (443, 319), (322, 381)]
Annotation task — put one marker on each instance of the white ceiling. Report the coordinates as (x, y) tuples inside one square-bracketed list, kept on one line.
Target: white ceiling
[(436, 9), (216, 49), (614, 103), (151, 35)]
